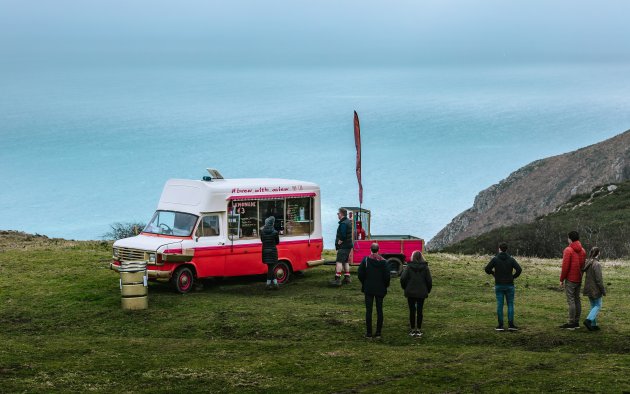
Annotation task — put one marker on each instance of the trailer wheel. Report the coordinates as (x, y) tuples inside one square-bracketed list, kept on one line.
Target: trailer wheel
[(183, 280), (282, 272), (395, 265)]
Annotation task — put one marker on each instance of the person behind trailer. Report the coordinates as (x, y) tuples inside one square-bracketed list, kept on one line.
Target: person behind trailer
[(343, 244), (270, 238), (573, 258), (417, 282), (374, 276), (593, 288), (504, 269)]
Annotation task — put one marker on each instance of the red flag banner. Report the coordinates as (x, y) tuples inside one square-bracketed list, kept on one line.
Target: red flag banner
[(357, 143)]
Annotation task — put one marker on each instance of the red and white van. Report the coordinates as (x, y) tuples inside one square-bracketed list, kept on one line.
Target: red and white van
[(210, 228)]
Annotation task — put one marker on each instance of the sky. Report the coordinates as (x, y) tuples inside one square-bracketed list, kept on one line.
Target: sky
[(318, 33)]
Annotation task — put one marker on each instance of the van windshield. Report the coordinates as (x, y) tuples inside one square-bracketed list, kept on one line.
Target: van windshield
[(171, 223)]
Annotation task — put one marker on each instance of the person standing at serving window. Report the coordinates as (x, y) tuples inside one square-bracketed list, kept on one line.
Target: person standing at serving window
[(270, 238)]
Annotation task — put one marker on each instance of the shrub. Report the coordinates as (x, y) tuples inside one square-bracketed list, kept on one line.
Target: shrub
[(123, 230)]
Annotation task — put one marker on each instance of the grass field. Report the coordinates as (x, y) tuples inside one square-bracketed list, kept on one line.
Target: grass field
[(62, 329)]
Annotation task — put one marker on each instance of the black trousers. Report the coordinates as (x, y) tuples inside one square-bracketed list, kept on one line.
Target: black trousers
[(369, 302), (415, 312), (270, 268)]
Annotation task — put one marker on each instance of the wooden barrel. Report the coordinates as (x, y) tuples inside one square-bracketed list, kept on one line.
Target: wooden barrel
[(134, 289)]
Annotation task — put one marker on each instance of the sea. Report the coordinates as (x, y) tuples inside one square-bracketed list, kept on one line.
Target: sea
[(85, 145)]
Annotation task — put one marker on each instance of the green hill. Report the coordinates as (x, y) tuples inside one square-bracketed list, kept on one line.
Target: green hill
[(602, 218)]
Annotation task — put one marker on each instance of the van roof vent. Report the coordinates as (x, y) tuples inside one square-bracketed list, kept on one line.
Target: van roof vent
[(214, 174)]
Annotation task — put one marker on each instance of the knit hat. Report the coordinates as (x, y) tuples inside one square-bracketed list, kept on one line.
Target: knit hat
[(270, 221)]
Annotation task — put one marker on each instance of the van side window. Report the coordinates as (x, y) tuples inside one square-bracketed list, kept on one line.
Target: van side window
[(209, 226)]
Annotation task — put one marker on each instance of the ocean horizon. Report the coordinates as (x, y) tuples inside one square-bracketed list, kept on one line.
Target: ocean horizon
[(86, 145)]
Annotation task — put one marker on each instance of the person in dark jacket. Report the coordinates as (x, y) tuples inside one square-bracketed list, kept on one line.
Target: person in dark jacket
[(573, 259), (374, 276), (505, 269), (593, 288), (269, 237), (343, 244), (417, 282)]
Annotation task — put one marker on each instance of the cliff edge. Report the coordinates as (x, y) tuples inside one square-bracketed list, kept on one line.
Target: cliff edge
[(538, 188)]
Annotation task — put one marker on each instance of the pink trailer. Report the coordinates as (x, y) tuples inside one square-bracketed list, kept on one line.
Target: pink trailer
[(397, 249)]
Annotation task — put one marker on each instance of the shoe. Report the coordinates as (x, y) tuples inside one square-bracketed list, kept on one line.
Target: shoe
[(346, 280), (595, 328), (499, 328), (378, 336), (567, 326), (412, 333), (268, 287), (368, 336), (512, 327), (336, 282), (275, 286), (418, 333), (574, 326), (588, 325)]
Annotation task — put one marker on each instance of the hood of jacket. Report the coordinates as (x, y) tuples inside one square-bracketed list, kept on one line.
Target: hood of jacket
[(588, 264), (417, 267), (576, 246), (503, 256)]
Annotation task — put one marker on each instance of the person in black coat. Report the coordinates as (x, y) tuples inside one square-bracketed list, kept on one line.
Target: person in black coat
[(374, 276), (417, 282), (504, 269), (269, 237)]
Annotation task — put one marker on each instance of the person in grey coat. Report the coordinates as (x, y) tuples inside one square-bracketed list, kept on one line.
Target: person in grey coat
[(593, 288), (270, 238), (417, 282)]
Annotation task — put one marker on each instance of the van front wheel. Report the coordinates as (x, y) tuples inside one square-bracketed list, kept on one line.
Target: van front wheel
[(183, 280)]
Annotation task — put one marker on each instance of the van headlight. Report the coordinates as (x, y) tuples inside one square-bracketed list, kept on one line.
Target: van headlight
[(151, 257), (116, 252)]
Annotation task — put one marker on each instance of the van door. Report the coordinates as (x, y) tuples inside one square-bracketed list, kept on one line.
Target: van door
[(210, 248)]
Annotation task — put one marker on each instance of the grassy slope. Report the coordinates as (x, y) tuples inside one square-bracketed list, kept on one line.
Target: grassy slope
[(62, 329), (603, 221)]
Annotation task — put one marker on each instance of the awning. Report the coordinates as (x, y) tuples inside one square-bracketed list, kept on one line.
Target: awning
[(271, 196)]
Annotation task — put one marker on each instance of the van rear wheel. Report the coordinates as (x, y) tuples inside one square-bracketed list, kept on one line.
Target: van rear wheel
[(183, 280), (282, 272), (395, 265)]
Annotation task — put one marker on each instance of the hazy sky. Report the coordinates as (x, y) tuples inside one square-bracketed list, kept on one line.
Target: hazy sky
[(324, 32)]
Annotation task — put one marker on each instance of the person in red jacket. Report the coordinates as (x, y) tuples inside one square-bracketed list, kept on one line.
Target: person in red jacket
[(573, 259)]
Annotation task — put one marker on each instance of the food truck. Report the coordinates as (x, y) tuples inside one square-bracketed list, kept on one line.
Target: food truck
[(397, 249), (210, 228)]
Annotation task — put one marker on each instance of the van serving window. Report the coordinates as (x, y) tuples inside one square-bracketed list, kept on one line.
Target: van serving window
[(294, 216)]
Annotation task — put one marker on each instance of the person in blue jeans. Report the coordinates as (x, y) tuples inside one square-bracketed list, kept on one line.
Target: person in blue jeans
[(593, 288), (504, 269)]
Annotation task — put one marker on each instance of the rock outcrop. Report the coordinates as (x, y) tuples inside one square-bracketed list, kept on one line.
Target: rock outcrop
[(539, 187)]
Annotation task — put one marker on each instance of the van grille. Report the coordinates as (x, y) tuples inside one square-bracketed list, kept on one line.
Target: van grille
[(128, 254)]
